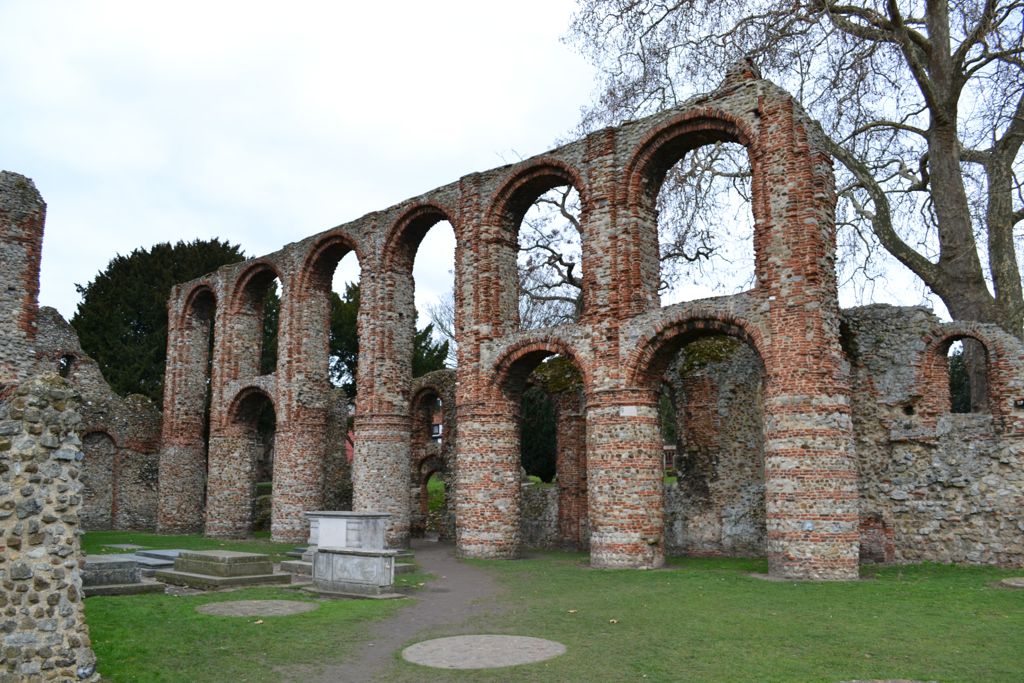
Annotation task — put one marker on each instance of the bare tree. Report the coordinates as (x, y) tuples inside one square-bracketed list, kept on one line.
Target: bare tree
[(922, 103)]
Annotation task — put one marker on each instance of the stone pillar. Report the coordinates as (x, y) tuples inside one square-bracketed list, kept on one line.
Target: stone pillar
[(571, 466), (22, 214), (380, 471), (298, 477), (182, 475), (45, 636), (488, 507), (624, 479), (231, 480)]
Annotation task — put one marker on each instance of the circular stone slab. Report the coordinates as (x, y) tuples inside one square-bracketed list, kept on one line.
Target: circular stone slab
[(1013, 582), (481, 652), (257, 608)]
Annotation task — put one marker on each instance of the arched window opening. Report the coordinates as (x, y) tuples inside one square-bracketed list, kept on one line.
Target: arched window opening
[(343, 340), (255, 321), (433, 275), (705, 223), (550, 261), (967, 371), (271, 315)]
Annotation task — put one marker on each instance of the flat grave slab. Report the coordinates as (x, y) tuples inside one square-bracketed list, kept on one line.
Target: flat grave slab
[(257, 608), (124, 546), (481, 652), (162, 553), (114, 575)]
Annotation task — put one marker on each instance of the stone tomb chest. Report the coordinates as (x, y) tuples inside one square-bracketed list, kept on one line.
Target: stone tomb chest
[(350, 557)]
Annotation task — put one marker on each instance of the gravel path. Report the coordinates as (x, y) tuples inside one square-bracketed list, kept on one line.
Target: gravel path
[(459, 593)]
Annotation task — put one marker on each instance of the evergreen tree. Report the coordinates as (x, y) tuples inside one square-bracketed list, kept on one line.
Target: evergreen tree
[(122, 318)]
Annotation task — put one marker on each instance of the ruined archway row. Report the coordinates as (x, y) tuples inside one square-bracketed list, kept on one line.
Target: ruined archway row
[(791, 314)]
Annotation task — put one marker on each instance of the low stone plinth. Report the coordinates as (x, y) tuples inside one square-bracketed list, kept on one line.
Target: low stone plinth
[(349, 571), (223, 563), (114, 576), (212, 569)]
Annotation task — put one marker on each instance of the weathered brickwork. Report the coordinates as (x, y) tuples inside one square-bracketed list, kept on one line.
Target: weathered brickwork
[(433, 404), (934, 486), (22, 214), (621, 344), (42, 619)]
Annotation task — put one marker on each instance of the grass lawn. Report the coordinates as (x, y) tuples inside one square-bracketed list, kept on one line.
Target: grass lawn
[(708, 620), (698, 620)]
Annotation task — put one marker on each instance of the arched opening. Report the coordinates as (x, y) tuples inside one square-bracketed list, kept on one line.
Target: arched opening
[(428, 464), (693, 198), (343, 339), (714, 379), (967, 373), (263, 466), (239, 452), (433, 274), (545, 389), (99, 482), (550, 260), (255, 321), (539, 218), (716, 504)]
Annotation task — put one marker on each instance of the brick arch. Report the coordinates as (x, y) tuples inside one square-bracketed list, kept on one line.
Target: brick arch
[(932, 370), (648, 363), (528, 181), (191, 300), (508, 369), (504, 214), (322, 258), (644, 173), (244, 399), (256, 276), (405, 234), (112, 434)]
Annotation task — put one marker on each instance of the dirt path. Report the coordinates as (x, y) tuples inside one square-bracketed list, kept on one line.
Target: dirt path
[(459, 593)]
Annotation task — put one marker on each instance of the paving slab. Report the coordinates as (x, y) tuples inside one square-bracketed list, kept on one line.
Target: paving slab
[(207, 582), (1013, 582), (257, 608), (169, 553), (481, 651)]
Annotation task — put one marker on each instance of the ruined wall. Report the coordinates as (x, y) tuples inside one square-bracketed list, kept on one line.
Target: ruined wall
[(935, 486), (121, 486), (121, 434), (22, 213), (620, 344), (42, 618), (717, 505)]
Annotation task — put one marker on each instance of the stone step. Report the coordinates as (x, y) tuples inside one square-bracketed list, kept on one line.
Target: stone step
[(162, 553), (123, 589), (404, 567), (297, 567), (207, 582)]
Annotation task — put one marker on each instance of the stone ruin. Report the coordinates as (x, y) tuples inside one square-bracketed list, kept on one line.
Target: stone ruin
[(823, 437)]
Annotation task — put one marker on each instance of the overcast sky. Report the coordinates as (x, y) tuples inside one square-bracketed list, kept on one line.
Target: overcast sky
[(150, 122)]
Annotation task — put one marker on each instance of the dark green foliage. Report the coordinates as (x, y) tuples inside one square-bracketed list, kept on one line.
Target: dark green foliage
[(959, 382), (428, 355), (122, 319), (538, 436), (271, 314)]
